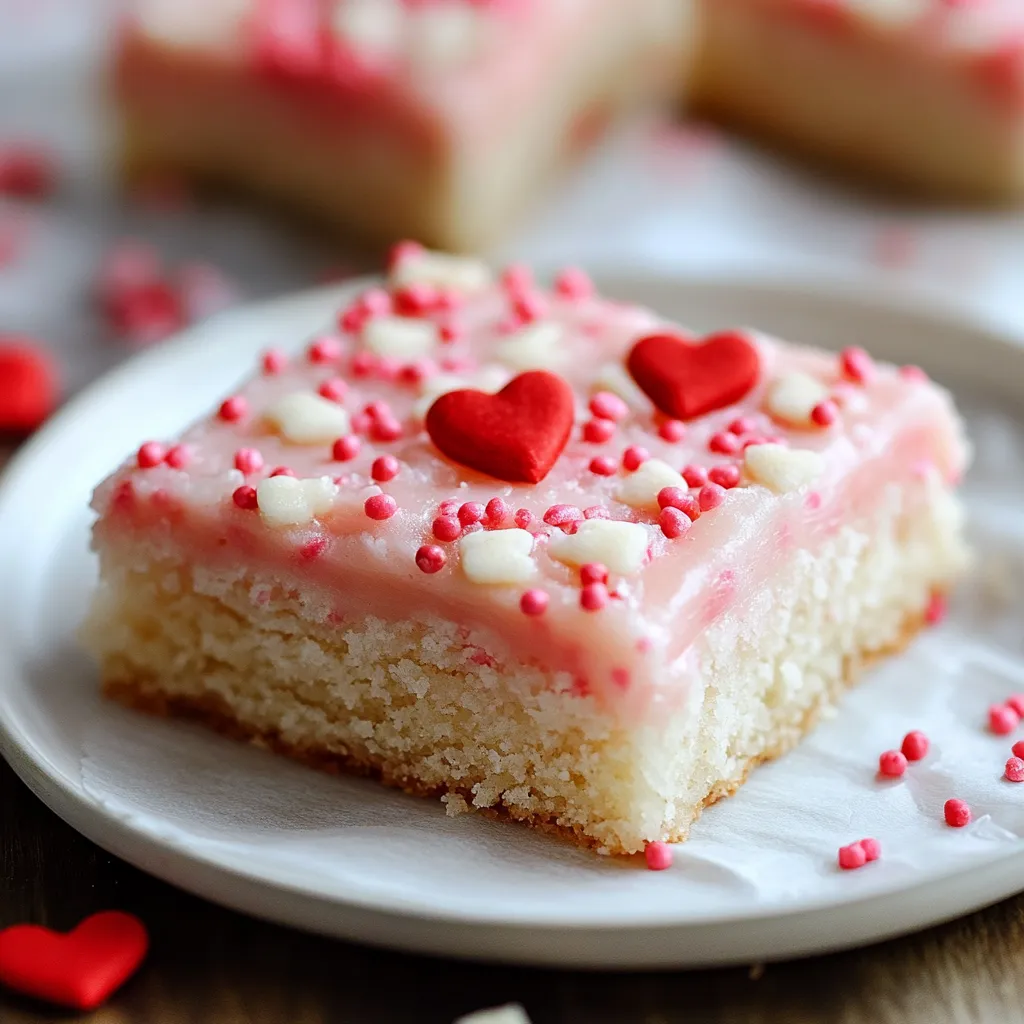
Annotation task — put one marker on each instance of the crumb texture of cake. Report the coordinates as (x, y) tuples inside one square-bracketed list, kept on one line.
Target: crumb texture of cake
[(530, 549), (843, 86)]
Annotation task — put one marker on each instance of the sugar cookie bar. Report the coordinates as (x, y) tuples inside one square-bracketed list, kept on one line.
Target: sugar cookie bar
[(530, 549)]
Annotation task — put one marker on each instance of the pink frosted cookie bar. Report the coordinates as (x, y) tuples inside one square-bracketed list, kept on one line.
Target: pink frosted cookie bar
[(530, 549), (927, 94), (387, 117)]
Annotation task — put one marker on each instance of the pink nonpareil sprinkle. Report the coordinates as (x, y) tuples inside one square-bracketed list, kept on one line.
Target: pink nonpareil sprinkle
[(529, 306), (385, 428), (892, 763), (178, 457), (1018, 748), (517, 277), (430, 558), (403, 252), (596, 512), (915, 745), (673, 522), (1014, 770), (725, 476), (1002, 719), (150, 454), (672, 431), (233, 409), (593, 572), (496, 512), (380, 506), (346, 448), (602, 465), (282, 471), (872, 848), (384, 468), (824, 414), (327, 349), (634, 457), (1016, 701), (856, 365), (334, 389), (742, 425), (695, 476), (957, 813), (936, 610), (560, 515), (415, 299), (658, 856), (852, 857), (274, 361), (363, 364), (710, 497), (523, 518), (608, 406), (446, 528), (593, 597), (724, 443), (248, 460), (598, 430), (534, 602), (471, 512), (573, 283), (245, 497)]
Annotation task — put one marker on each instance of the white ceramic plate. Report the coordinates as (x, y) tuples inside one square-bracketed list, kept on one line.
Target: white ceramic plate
[(757, 880)]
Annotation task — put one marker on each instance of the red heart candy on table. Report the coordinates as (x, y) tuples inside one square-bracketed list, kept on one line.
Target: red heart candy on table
[(28, 385), (687, 379), (515, 435), (80, 968)]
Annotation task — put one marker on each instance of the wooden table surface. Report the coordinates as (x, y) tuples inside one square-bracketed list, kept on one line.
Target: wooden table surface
[(212, 966)]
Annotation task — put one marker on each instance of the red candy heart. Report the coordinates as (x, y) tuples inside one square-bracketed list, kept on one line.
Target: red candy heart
[(79, 969), (685, 380), (28, 385), (515, 435)]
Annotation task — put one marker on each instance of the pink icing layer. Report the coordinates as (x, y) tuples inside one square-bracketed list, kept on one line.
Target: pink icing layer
[(886, 430), (291, 48), (986, 37)]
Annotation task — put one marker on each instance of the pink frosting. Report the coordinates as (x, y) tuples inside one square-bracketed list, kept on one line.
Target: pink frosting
[(984, 36), (886, 429)]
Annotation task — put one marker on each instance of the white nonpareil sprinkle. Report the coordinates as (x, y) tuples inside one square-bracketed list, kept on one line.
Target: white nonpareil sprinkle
[(497, 557), (620, 547), (781, 469), (305, 418)]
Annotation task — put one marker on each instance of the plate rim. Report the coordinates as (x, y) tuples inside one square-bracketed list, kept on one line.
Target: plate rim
[(140, 847)]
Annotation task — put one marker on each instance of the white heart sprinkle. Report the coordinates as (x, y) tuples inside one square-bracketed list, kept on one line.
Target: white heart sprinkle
[(304, 418), (498, 556), (620, 547), (781, 469), (640, 488)]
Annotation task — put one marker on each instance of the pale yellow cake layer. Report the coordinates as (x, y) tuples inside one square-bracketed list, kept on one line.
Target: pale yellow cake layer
[(389, 177), (858, 102), (418, 704)]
